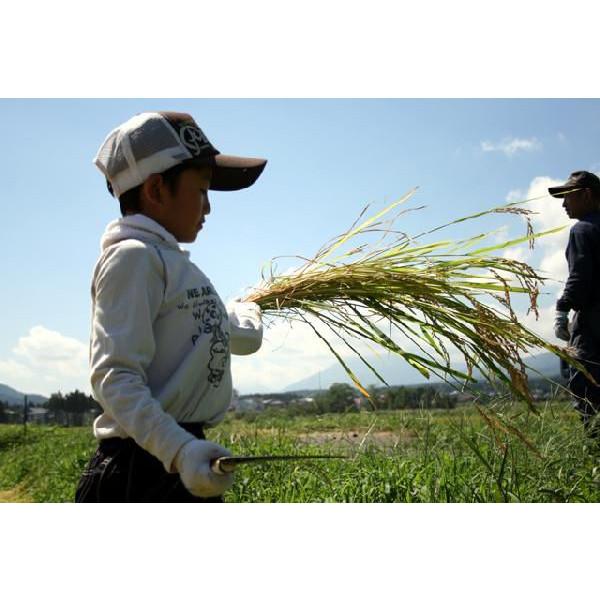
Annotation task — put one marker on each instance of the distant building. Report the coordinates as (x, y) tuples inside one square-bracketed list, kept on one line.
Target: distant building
[(307, 400), (361, 402), (248, 403), (461, 396), (270, 403), (39, 416)]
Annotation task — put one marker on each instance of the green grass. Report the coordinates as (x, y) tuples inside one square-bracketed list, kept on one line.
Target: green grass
[(408, 456), (45, 464)]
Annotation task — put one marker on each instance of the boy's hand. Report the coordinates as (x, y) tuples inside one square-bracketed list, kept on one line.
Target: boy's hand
[(193, 464), (248, 310), (245, 321)]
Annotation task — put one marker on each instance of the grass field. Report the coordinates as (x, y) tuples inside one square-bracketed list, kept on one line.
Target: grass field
[(398, 456)]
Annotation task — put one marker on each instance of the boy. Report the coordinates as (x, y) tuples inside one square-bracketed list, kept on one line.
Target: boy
[(161, 337)]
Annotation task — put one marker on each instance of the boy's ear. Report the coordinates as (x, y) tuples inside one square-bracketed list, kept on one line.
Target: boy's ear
[(152, 188)]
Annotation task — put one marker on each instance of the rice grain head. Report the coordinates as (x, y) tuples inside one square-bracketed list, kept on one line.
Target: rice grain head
[(446, 297)]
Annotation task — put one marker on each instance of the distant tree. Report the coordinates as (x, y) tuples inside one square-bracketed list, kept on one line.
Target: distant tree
[(398, 398), (384, 398), (3, 416), (56, 405), (339, 398), (374, 393), (70, 408), (306, 408), (427, 397), (76, 404), (413, 397), (445, 401)]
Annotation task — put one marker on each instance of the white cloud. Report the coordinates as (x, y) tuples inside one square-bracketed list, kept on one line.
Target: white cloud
[(544, 326), (44, 361), (548, 256), (290, 352), (554, 266), (511, 146), (12, 370), (516, 253), (515, 196)]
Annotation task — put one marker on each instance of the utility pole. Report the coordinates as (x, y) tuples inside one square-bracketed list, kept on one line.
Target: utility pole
[(25, 415)]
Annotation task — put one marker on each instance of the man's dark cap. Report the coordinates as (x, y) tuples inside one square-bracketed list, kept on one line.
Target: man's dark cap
[(577, 180)]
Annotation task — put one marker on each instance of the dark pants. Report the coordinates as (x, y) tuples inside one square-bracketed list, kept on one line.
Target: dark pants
[(122, 471), (587, 396)]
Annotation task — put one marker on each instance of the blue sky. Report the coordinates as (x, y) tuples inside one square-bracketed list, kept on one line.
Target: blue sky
[(325, 164), (327, 160)]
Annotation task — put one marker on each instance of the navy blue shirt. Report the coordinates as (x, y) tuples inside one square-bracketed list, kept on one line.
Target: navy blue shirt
[(582, 289)]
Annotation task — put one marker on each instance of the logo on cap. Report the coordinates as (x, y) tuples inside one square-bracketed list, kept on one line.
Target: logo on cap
[(193, 138)]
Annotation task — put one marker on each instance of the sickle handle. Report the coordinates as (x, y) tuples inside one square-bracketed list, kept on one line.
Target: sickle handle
[(220, 467)]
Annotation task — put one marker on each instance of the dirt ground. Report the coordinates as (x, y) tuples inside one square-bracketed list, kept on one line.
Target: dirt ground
[(14, 495)]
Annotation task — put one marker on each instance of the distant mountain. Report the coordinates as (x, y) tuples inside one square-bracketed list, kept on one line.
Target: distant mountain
[(12, 397), (545, 363), (396, 371)]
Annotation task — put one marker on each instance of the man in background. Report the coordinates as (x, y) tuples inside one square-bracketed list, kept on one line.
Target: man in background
[(581, 201)]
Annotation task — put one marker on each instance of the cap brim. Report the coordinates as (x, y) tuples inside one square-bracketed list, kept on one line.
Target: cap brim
[(561, 190), (235, 172)]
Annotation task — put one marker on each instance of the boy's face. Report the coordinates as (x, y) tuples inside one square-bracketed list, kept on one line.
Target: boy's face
[(183, 212)]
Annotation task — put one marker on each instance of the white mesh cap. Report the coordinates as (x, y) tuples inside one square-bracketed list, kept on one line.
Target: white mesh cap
[(153, 142)]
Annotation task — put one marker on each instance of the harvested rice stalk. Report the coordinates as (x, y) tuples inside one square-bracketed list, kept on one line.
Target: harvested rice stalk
[(441, 296)]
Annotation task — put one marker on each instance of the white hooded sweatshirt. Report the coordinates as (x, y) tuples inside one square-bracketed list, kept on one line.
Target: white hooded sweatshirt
[(161, 339)]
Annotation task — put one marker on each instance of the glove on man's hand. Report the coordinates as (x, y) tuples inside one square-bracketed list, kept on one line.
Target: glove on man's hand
[(561, 325), (193, 464)]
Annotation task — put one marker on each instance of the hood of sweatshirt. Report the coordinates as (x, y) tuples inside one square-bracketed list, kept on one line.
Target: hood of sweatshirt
[(138, 227)]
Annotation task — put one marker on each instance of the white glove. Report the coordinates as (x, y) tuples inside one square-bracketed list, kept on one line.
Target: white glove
[(193, 464), (561, 325), (245, 326)]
